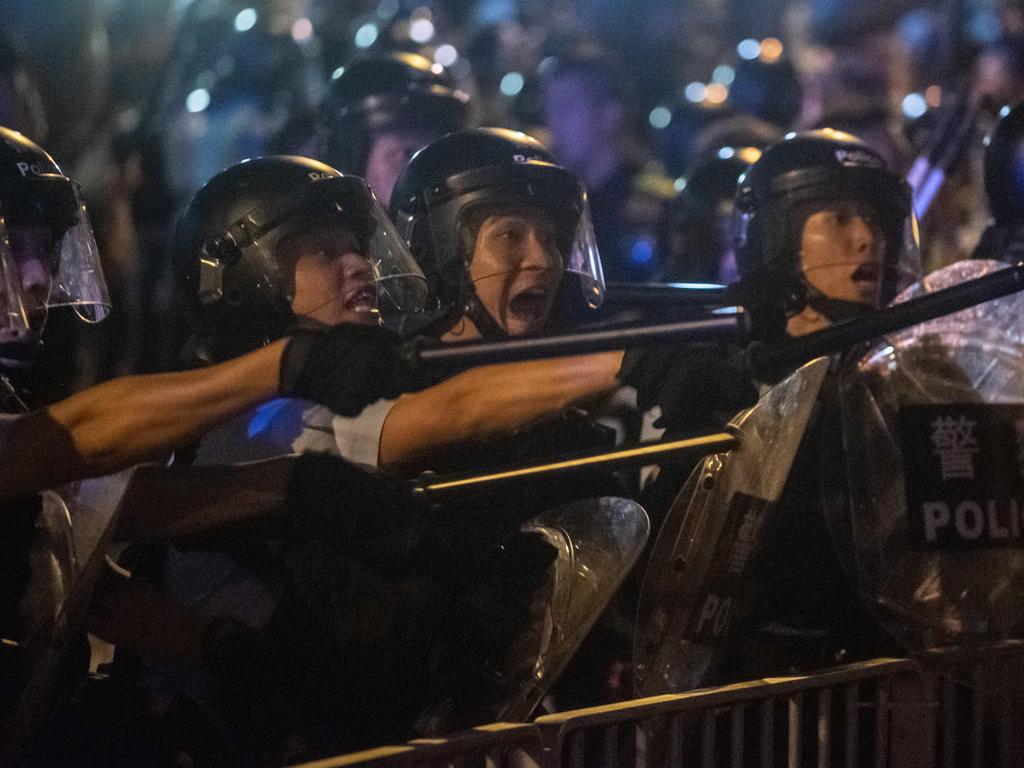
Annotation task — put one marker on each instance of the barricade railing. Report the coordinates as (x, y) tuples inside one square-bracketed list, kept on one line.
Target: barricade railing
[(498, 745), (950, 709)]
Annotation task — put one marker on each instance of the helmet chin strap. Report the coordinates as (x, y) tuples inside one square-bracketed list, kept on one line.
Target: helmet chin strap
[(482, 319)]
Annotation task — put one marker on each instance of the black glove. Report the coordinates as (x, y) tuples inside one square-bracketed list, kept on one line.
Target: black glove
[(696, 385), (347, 367), (357, 511)]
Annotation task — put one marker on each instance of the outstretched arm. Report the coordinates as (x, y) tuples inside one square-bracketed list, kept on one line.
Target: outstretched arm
[(136, 418), (489, 401)]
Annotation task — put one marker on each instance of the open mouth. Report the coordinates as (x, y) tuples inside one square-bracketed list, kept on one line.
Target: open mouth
[(870, 272), (362, 300), (530, 305)]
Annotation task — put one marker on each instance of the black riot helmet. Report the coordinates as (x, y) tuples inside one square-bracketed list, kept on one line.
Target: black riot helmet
[(450, 186), (1004, 167), (702, 216), (767, 86), (236, 285), (1003, 239), (48, 255), (384, 92), (774, 199)]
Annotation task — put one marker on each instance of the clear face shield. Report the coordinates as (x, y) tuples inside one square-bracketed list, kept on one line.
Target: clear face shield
[(850, 246), (333, 256), (47, 264), (527, 242)]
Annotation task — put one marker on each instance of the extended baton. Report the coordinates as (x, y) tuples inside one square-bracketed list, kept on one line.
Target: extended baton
[(723, 326)]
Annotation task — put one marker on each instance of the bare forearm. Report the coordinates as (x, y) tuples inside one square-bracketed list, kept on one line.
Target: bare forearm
[(490, 401), (129, 420)]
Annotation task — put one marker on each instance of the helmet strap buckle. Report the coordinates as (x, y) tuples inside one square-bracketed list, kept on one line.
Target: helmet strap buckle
[(211, 279)]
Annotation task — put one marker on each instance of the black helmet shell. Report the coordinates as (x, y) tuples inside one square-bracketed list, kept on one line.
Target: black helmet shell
[(32, 186), (1004, 167), (223, 250), (821, 165), (466, 169), (381, 92)]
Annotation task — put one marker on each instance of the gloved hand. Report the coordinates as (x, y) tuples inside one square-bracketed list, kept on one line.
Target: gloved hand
[(359, 512), (347, 367), (695, 385)]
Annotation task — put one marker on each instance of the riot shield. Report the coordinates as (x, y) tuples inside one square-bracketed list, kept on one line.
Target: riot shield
[(72, 532), (696, 572), (933, 442), (597, 542)]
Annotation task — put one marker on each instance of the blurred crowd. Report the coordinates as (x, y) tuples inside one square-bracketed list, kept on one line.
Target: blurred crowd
[(656, 106)]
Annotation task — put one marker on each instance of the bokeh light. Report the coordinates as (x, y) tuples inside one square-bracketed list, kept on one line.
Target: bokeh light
[(367, 35), (511, 84), (197, 100), (445, 55), (246, 19), (660, 117)]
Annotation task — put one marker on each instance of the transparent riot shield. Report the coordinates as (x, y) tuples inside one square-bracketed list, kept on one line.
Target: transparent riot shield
[(696, 572), (933, 436), (597, 542), (72, 533)]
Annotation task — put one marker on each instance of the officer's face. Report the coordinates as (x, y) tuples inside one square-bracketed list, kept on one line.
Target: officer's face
[(32, 248), (333, 280), (516, 268), (389, 153), (843, 251)]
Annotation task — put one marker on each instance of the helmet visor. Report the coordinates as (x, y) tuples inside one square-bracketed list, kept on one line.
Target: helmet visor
[(862, 223), (79, 282), (332, 255), (15, 331), (499, 223)]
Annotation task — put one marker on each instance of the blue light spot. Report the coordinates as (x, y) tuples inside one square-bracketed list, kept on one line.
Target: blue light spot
[(749, 49), (660, 117), (723, 74), (198, 100), (366, 35), (263, 418), (914, 105), (695, 92), (642, 251), (511, 84), (245, 19)]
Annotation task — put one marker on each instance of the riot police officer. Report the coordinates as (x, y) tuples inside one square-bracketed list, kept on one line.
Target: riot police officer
[(381, 109), (825, 232), (48, 259)]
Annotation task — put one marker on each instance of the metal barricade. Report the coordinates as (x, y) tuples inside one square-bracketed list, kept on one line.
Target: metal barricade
[(499, 745), (951, 709)]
